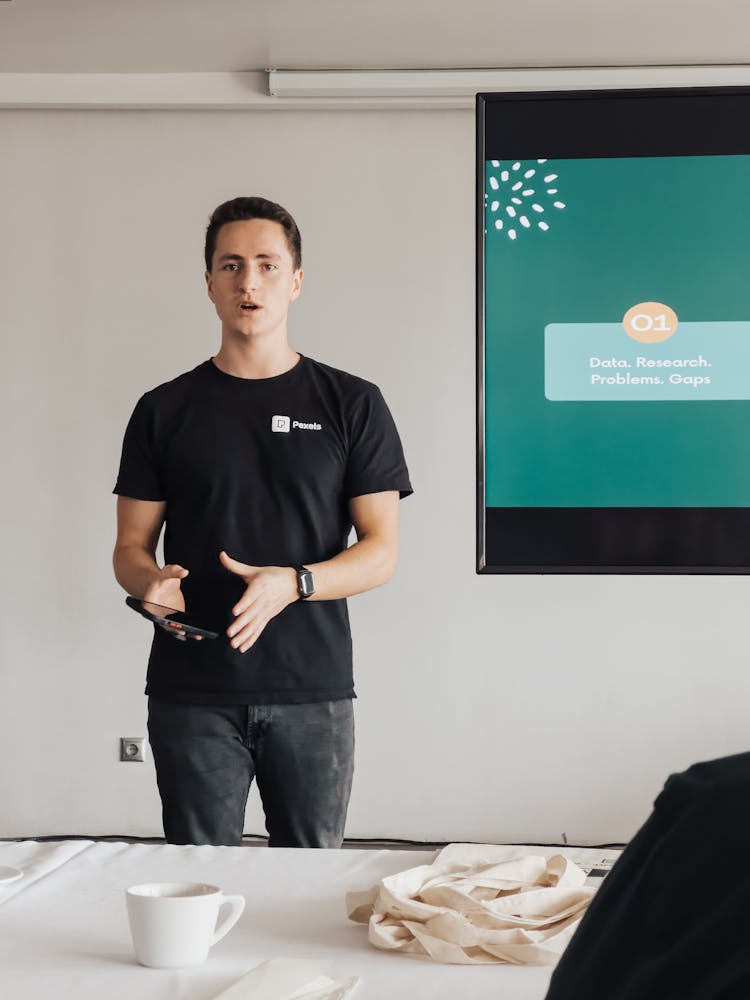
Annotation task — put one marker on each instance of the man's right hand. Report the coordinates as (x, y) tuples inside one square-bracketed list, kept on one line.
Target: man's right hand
[(166, 590), (139, 524)]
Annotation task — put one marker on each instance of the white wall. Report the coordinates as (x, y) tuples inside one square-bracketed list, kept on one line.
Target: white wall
[(493, 708)]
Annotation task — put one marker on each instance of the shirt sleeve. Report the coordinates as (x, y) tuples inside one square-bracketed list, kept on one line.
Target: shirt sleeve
[(376, 459), (139, 475)]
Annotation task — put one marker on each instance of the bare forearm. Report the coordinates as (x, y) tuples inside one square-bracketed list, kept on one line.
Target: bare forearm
[(135, 569), (367, 564)]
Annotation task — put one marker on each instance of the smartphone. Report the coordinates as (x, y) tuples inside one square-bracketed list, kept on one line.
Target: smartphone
[(170, 618)]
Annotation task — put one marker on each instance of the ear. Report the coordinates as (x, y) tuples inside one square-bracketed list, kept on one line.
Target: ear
[(210, 286), (296, 284)]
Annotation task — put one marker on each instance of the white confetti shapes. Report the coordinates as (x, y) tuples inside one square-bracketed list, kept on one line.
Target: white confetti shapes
[(528, 203)]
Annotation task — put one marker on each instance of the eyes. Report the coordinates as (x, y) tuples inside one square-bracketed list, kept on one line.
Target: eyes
[(265, 266)]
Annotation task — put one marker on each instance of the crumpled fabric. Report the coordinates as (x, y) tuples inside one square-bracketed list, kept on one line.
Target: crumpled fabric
[(477, 904)]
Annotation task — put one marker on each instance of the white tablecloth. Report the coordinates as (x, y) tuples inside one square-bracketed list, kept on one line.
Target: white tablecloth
[(64, 930)]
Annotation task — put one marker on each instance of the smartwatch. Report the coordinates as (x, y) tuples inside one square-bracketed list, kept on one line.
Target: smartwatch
[(305, 582)]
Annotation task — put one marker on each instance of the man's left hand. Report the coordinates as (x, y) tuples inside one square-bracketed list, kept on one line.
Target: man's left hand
[(270, 589)]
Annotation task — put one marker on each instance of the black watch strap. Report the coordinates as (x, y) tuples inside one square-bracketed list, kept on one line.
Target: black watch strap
[(305, 582)]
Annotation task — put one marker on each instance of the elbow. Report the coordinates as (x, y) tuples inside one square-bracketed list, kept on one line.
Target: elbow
[(389, 567), (379, 564), (115, 560), (119, 570)]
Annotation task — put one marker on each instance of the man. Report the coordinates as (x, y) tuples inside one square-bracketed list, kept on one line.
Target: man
[(259, 461)]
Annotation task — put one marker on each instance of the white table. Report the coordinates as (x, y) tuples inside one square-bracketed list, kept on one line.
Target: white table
[(64, 930)]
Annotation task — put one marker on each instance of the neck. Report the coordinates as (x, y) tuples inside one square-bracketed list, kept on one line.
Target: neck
[(255, 360)]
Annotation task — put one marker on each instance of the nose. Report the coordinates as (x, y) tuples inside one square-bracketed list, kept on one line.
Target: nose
[(248, 279)]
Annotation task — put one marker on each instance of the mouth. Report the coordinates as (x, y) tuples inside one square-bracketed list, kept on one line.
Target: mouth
[(250, 306)]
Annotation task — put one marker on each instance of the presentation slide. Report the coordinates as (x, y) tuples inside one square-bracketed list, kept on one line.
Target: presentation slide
[(613, 331), (617, 331)]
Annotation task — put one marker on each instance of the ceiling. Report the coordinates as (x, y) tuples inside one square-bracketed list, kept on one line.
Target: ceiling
[(180, 36)]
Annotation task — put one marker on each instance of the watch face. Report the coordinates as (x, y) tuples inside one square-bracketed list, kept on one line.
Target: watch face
[(305, 583)]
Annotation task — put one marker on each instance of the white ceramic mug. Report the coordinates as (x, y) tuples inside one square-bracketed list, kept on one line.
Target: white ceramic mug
[(174, 923)]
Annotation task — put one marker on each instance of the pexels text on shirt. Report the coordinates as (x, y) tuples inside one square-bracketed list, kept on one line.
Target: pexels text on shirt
[(282, 425)]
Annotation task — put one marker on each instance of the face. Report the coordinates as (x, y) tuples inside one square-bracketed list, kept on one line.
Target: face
[(252, 279)]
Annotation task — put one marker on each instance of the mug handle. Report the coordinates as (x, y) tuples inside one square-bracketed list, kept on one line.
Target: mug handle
[(237, 905)]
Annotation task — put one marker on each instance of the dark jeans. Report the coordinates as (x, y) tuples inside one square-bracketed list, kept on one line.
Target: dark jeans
[(207, 755)]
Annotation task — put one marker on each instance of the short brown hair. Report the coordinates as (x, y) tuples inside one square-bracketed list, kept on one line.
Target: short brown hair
[(240, 209)]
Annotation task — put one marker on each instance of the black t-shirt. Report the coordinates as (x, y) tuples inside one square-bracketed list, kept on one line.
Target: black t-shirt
[(264, 469)]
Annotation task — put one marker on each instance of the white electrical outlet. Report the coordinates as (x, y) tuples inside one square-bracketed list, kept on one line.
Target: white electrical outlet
[(132, 748)]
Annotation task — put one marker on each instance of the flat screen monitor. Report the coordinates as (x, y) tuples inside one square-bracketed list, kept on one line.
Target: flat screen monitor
[(613, 331)]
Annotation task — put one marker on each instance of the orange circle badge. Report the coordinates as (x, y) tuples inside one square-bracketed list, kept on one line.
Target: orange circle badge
[(650, 322)]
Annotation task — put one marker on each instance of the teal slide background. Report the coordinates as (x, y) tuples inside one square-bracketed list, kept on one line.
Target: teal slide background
[(667, 229)]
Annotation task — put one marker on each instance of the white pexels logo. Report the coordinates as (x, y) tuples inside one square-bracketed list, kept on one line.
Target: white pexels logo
[(282, 425)]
